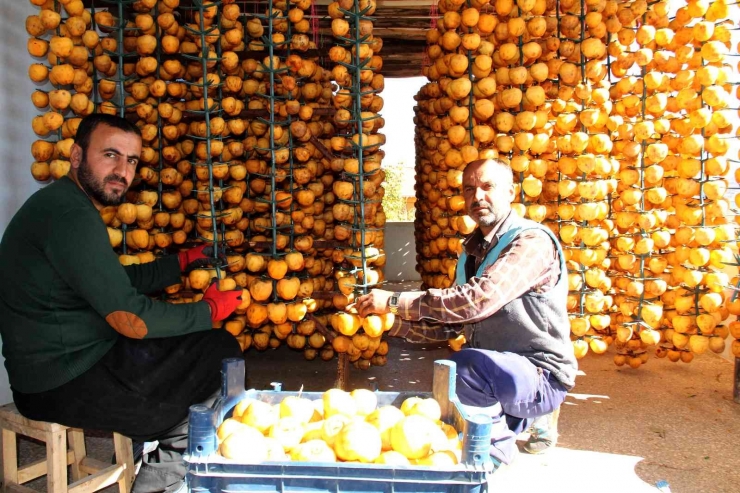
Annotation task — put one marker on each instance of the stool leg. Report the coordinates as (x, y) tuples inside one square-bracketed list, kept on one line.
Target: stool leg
[(76, 439), (56, 462), (10, 459), (125, 456)]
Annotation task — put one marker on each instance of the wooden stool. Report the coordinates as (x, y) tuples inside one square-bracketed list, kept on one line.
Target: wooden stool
[(88, 474)]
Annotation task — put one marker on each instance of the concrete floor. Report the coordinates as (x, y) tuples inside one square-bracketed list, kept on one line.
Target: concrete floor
[(621, 429), (624, 430)]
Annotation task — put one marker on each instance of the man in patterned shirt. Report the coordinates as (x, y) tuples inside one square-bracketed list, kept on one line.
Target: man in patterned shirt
[(510, 301)]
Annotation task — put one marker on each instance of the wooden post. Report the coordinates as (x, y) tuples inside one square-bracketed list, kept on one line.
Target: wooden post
[(10, 459), (442, 380), (736, 388), (76, 441), (124, 457), (342, 370), (56, 461)]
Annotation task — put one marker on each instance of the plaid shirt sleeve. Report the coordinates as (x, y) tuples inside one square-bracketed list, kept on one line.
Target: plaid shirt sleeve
[(529, 263)]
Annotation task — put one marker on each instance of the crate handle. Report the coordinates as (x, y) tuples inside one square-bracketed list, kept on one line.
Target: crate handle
[(476, 429), (477, 441), (203, 420), (233, 372), (201, 424), (443, 385)]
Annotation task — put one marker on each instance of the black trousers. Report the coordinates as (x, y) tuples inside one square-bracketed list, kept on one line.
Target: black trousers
[(142, 389)]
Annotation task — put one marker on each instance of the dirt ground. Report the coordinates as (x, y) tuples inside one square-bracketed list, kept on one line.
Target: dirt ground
[(622, 430)]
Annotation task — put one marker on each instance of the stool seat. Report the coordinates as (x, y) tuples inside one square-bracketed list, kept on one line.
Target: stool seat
[(10, 413), (65, 446)]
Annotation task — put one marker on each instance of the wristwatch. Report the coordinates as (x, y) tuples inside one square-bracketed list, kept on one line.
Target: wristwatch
[(393, 303)]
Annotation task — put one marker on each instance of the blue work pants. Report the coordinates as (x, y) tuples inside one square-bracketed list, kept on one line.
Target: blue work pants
[(524, 391)]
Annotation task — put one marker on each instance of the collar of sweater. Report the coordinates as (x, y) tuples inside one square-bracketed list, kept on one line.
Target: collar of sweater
[(478, 246)]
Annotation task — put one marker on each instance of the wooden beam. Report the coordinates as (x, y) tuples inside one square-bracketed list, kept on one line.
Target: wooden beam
[(401, 32), (420, 8), (38, 468), (399, 64), (9, 426), (383, 4), (393, 61), (249, 5), (396, 19), (97, 481), (397, 32), (403, 69), (402, 24), (403, 21), (402, 56), (17, 488), (404, 72), (398, 45), (91, 466), (403, 49)]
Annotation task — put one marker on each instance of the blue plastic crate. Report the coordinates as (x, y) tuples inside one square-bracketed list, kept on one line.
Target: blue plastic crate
[(209, 472)]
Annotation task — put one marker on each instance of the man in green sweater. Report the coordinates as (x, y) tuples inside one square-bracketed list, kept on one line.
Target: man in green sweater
[(84, 345)]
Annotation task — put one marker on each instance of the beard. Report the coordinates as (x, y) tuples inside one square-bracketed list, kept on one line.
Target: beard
[(96, 188), (488, 217)]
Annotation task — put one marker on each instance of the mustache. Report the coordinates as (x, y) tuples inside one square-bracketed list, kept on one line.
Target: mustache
[(115, 179), (480, 204)]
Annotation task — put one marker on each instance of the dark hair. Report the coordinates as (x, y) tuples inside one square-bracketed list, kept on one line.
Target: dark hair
[(91, 122)]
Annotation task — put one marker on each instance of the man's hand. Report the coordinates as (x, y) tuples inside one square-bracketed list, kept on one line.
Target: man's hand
[(222, 303), (376, 301), (201, 252)]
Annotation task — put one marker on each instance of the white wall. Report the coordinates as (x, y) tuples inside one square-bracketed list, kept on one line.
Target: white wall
[(16, 136)]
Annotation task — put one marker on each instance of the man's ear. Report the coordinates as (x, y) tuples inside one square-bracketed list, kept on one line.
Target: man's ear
[(75, 156), (512, 193)]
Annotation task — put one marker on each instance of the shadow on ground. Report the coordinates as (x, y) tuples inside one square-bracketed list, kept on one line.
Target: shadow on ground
[(621, 429)]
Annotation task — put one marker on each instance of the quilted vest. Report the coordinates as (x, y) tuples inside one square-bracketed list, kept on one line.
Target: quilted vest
[(534, 325)]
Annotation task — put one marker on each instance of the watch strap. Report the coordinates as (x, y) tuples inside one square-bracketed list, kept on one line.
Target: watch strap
[(393, 303)]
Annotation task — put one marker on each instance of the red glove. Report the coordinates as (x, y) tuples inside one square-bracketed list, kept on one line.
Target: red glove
[(222, 303), (196, 253)]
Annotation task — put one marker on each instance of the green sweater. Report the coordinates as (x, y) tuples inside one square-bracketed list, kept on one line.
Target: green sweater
[(60, 279)]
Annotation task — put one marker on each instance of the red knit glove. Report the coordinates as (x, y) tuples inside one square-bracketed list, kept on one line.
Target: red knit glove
[(222, 303), (188, 256)]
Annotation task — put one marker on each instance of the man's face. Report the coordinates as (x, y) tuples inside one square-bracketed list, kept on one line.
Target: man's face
[(488, 193), (106, 170)]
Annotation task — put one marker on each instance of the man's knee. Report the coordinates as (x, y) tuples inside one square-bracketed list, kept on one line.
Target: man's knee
[(476, 365), (473, 381), (222, 342), (507, 378), (471, 360)]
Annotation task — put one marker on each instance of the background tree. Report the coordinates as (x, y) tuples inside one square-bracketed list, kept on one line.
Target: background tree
[(394, 203)]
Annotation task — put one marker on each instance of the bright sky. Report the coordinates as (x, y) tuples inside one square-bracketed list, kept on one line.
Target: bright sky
[(398, 112)]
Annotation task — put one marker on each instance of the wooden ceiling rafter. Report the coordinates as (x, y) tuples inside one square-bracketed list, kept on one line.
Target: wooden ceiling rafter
[(401, 24)]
